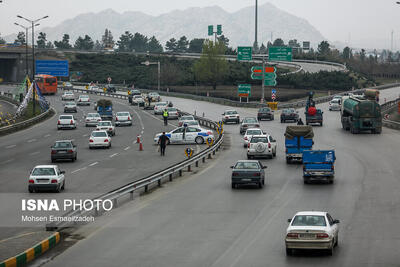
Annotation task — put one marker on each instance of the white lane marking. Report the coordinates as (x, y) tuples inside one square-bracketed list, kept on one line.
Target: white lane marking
[(94, 163), (32, 140), (113, 155), (11, 146), (126, 148), (7, 161), (47, 135), (81, 169), (34, 153), (85, 135)]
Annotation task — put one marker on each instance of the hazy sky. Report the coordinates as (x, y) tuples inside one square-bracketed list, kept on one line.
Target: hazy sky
[(366, 23)]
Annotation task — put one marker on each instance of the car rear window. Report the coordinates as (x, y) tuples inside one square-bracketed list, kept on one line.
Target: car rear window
[(247, 165), (43, 171), (104, 123), (187, 118), (122, 113), (62, 145), (65, 117), (253, 132), (93, 115), (250, 120), (99, 134), (232, 112), (259, 139), (309, 220)]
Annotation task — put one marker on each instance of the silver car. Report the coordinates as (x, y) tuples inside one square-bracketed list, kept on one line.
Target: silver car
[(123, 118), (70, 107), (92, 119), (173, 113), (68, 96), (66, 122)]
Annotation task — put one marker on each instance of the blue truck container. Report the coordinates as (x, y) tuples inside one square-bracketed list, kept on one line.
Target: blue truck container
[(318, 164), (297, 139), (105, 110)]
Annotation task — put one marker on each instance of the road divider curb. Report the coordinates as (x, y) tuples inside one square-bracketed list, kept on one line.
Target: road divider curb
[(33, 252)]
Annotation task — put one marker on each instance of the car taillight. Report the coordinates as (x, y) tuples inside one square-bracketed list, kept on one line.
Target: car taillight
[(58, 122), (269, 145), (71, 122), (248, 145), (53, 181), (129, 118), (257, 174), (31, 181), (226, 117), (323, 235), (98, 119), (292, 235), (245, 138), (116, 118), (90, 140), (80, 100), (110, 129), (286, 150), (70, 151), (209, 132), (53, 152), (105, 140), (257, 125)]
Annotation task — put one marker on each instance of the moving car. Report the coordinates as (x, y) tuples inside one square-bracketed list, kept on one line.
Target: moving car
[(68, 96), (46, 177), (187, 135), (230, 116), (261, 146), (95, 88), (99, 139), (265, 113), (249, 133), (289, 114), (66, 121), (335, 104), (92, 119), (83, 100), (68, 86), (248, 172), (312, 230), (70, 107), (106, 126), (248, 122), (159, 107), (138, 100), (185, 119), (173, 113), (123, 118), (64, 149)]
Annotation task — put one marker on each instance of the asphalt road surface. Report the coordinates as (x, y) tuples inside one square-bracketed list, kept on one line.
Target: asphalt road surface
[(201, 221)]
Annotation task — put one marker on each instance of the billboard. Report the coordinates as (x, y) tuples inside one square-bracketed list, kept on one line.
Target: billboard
[(306, 45), (58, 68)]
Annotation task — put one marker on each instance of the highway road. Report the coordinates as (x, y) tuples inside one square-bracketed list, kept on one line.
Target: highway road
[(7, 110), (201, 221)]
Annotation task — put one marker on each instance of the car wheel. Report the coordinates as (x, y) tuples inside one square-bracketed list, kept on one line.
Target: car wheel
[(331, 180), (274, 154), (199, 140), (330, 250), (249, 157), (288, 161), (337, 241), (263, 181), (273, 118), (281, 121), (73, 159), (63, 186), (260, 185), (30, 190), (53, 160), (233, 185), (58, 189), (289, 252)]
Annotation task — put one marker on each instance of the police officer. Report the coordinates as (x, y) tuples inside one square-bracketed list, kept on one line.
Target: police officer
[(165, 116), (162, 141)]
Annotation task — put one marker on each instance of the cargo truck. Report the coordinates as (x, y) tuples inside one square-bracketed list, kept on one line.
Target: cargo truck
[(105, 110), (361, 114), (297, 139), (318, 165), (312, 114)]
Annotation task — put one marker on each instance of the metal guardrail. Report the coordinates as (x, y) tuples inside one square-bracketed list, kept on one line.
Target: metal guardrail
[(387, 108), (144, 183)]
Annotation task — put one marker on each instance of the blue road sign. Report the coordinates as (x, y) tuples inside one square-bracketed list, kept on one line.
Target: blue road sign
[(273, 91), (57, 68)]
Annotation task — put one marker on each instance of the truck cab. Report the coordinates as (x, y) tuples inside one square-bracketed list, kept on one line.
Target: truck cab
[(318, 165)]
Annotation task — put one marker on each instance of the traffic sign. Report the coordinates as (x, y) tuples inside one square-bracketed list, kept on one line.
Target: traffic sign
[(59, 68), (270, 82), (209, 141), (245, 53), (273, 96), (210, 30), (280, 53), (267, 76), (273, 91), (258, 69), (219, 29), (244, 90), (109, 79), (188, 152)]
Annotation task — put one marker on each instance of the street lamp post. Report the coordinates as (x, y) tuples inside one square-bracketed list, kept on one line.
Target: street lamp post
[(26, 45), (147, 63), (33, 22)]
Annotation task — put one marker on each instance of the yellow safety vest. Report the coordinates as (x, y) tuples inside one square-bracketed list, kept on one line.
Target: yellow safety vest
[(165, 114)]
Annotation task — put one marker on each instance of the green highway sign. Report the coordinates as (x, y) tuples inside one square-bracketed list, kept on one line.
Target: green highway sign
[(219, 29), (244, 90), (267, 76), (210, 30), (245, 53), (270, 82), (280, 53)]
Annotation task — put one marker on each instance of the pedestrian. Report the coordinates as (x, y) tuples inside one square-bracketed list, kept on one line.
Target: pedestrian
[(162, 141), (300, 122), (165, 116)]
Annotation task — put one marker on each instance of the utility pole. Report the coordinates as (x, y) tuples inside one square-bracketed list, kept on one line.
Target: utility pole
[(256, 24), (391, 47)]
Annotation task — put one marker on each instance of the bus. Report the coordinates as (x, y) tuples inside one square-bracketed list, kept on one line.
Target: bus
[(46, 83)]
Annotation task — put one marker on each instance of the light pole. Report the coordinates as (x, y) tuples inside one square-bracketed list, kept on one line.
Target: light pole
[(26, 45), (256, 24), (33, 22), (147, 63)]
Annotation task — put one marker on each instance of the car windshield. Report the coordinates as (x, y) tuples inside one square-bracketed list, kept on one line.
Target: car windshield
[(122, 113), (187, 118), (259, 139), (230, 112), (104, 123), (309, 220), (62, 145), (253, 132), (70, 104), (264, 110), (247, 165), (192, 123), (99, 134), (43, 171), (335, 101), (250, 120), (64, 117)]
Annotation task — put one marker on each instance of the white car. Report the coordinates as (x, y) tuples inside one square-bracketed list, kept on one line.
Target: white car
[(92, 119), (185, 119), (123, 118), (173, 113), (155, 97), (187, 135), (66, 121), (137, 100), (159, 107), (46, 177), (335, 104), (99, 139), (230, 116), (312, 230), (249, 134), (95, 88), (192, 123), (261, 146), (68, 96), (83, 100), (106, 126)]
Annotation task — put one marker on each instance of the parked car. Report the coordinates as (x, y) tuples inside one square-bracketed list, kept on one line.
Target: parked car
[(66, 121), (64, 149), (192, 123), (187, 135), (95, 88), (173, 113), (335, 104), (265, 113), (99, 139), (248, 172), (92, 119), (70, 107), (230, 116), (249, 134), (123, 118), (185, 119), (248, 122), (106, 126), (68, 96), (138, 100), (312, 230), (160, 107), (135, 92), (155, 97), (83, 100), (261, 146), (46, 177), (289, 114)]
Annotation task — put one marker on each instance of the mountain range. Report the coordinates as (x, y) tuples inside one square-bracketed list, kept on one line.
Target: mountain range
[(192, 22)]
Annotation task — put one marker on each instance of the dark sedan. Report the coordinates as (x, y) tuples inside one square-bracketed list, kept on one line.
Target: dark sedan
[(265, 113), (63, 149), (289, 114), (248, 172), (249, 122)]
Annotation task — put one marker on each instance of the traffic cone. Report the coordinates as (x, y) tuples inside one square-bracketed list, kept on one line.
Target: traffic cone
[(138, 139), (140, 146)]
